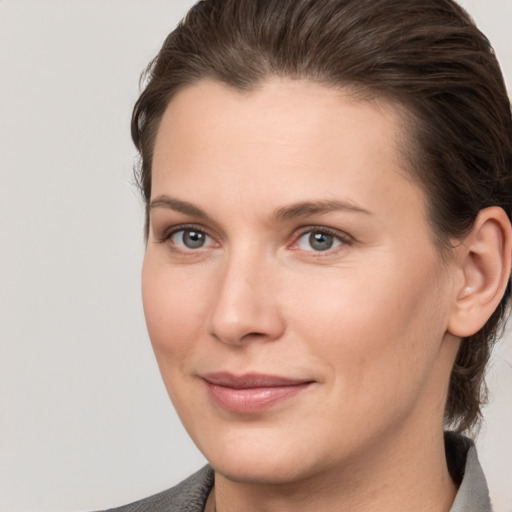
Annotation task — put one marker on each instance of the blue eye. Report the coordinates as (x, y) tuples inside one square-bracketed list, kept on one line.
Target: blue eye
[(190, 239), (318, 240)]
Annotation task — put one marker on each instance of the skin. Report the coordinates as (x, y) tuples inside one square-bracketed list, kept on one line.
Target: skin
[(367, 321)]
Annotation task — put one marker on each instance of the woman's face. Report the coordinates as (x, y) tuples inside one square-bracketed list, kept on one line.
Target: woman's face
[(294, 299)]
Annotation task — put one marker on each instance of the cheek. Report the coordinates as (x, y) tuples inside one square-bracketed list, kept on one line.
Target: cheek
[(379, 332), (174, 307)]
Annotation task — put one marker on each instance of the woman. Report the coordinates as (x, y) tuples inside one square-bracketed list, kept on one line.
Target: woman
[(328, 197)]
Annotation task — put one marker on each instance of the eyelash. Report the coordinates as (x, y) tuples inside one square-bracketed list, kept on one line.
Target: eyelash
[(343, 238)]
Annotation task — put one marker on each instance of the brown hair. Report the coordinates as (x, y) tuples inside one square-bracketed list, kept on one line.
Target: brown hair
[(426, 55)]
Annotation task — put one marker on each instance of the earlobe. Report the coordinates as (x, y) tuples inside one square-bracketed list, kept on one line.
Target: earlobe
[(485, 260)]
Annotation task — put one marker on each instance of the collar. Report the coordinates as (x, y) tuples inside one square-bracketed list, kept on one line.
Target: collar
[(465, 469)]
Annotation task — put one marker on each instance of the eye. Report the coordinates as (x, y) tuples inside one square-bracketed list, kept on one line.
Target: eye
[(190, 238), (319, 240)]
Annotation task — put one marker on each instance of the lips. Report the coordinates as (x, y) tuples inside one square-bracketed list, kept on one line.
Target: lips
[(251, 393)]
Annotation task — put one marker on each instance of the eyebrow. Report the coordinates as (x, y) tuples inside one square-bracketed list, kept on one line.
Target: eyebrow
[(284, 213), (306, 208), (177, 205)]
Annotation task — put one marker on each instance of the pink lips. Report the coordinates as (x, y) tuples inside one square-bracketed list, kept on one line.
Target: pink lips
[(251, 393)]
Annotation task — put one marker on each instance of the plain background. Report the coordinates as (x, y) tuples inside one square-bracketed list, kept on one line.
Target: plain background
[(85, 422)]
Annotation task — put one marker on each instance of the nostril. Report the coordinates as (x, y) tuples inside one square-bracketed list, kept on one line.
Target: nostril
[(257, 336)]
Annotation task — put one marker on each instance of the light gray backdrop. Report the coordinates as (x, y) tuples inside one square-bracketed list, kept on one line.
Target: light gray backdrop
[(85, 422)]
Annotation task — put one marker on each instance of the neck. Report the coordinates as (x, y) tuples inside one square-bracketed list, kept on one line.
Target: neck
[(408, 472)]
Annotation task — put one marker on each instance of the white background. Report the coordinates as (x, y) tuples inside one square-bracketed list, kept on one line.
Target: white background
[(85, 422)]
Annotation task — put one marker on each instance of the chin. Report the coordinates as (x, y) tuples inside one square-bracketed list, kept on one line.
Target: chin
[(269, 470), (263, 457)]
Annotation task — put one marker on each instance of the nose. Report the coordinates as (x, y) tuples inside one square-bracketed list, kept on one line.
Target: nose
[(246, 306)]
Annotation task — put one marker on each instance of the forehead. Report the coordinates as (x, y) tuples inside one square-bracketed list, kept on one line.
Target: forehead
[(280, 142), (289, 107), (280, 114)]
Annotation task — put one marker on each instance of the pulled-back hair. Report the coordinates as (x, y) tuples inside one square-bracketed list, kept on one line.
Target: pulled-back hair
[(425, 55)]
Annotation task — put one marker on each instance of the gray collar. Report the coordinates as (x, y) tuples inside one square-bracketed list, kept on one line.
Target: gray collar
[(473, 494)]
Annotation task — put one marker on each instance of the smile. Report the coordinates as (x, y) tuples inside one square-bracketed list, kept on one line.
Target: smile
[(251, 393)]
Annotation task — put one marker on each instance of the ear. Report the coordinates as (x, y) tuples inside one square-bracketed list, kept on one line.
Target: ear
[(484, 259)]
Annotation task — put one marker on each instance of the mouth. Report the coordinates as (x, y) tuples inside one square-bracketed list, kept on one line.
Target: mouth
[(251, 393)]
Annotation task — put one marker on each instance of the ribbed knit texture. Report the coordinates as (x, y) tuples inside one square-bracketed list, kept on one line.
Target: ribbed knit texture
[(188, 496)]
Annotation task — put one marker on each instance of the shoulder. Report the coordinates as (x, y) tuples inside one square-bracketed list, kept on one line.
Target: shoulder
[(188, 496)]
